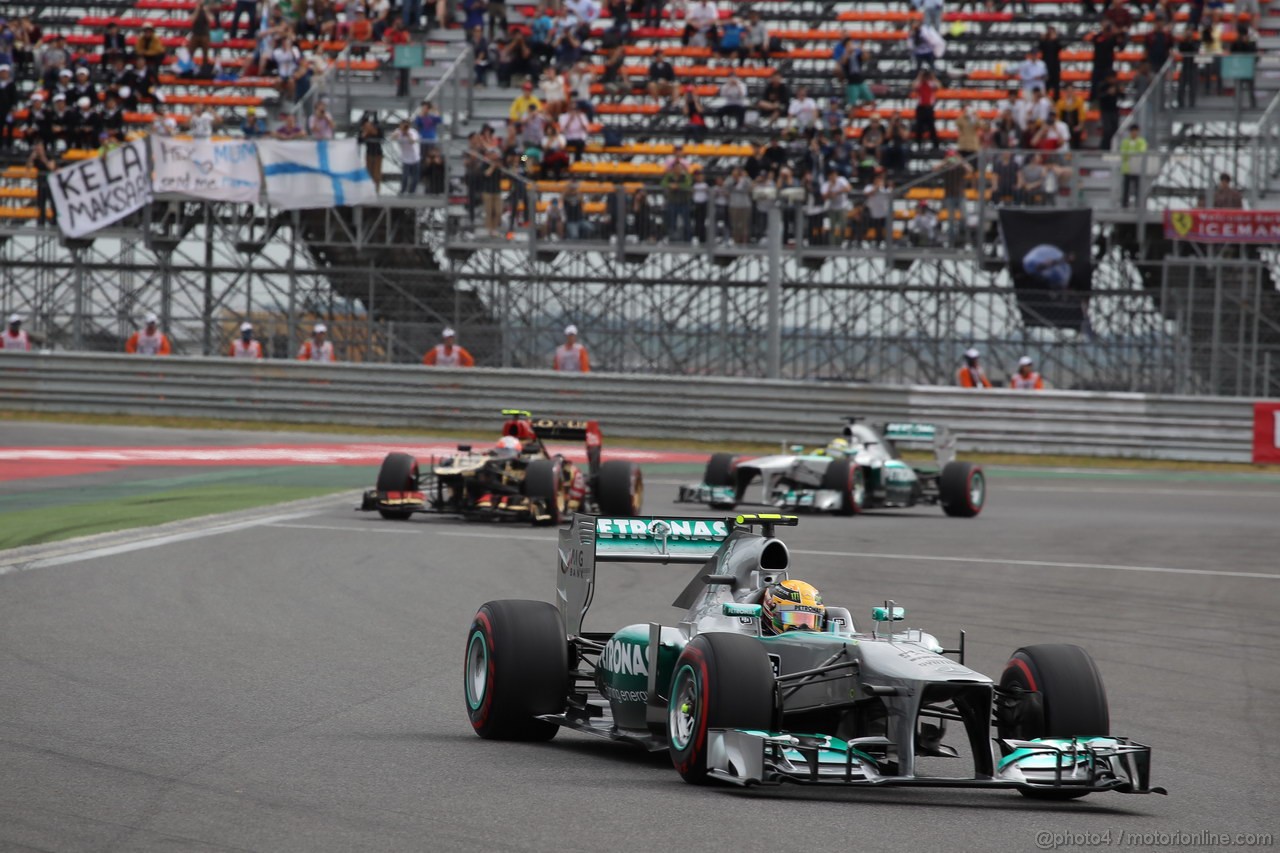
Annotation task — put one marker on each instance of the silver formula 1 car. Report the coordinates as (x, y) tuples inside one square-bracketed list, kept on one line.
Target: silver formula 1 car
[(858, 471), (731, 703)]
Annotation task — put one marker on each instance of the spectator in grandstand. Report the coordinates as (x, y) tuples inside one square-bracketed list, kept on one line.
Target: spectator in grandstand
[(878, 196), (662, 77), (433, 172), (1073, 110), (775, 100), (575, 222), (523, 103), (149, 341), (555, 156), (86, 127), (482, 60), (932, 10), (113, 43), (576, 127), (756, 38), (8, 104), (254, 125), (955, 173), (1211, 45), (1027, 378), (427, 122), (288, 128), (289, 65), (925, 91), (1109, 107), (553, 89), (733, 97), (971, 374), (1158, 44), (44, 164), (1106, 43), (150, 49), (1033, 72), (318, 348), (1050, 50), (26, 36), (802, 111), (1188, 47), (1118, 15), (447, 353), (60, 123), (245, 346), (490, 183), (967, 130), (52, 61), (701, 18), (246, 7), (320, 125), (739, 189), (851, 61), (1132, 145), (201, 38), (408, 145), (82, 87), (924, 225), (922, 52), (143, 81), (732, 40), (677, 192), (835, 193), (395, 34), (571, 356), (1225, 196), (1031, 181), (371, 136), (694, 114), (1246, 41), (14, 338), (1004, 177)]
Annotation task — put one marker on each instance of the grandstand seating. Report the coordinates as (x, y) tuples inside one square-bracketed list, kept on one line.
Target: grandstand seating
[(984, 49)]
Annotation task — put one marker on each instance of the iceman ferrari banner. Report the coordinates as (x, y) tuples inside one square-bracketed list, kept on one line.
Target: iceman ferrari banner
[(1050, 263), (95, 193), (309, 174), (1223, 226), (216, 170)]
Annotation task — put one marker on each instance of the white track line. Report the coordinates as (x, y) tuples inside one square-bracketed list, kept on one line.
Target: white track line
[(152, 542), (1040, 564)]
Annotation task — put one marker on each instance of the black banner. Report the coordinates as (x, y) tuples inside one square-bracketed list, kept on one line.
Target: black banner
[(1049, 260)]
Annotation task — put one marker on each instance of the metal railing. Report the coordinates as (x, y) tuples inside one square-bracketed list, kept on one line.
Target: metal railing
[(716, 409), (1264, 161)]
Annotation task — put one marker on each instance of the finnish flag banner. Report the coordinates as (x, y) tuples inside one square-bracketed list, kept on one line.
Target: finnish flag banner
[(302, 174)]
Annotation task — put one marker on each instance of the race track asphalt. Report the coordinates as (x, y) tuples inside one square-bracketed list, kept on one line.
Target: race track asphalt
[(296, 685)]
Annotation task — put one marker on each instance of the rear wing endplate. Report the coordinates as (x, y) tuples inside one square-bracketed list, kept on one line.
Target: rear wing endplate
[(587, 432), (589, 540), (936, 436)]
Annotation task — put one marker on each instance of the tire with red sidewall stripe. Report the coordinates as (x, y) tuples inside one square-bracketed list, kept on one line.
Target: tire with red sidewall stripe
[(399, 473), (847, 478), (1072, 701), (516, 668), (720, 681), (962, 489)]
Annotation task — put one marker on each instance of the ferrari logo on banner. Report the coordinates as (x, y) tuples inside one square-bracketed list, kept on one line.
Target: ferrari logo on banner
[(1223, 226), (1266, 433)]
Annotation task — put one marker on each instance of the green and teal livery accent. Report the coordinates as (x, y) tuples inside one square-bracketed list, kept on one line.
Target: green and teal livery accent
[(1031, 759), (622, 675), (627, 537)]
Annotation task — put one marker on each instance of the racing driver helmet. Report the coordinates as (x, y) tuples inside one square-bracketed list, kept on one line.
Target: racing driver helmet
[(792, 605), (507, 446), (839, 448)]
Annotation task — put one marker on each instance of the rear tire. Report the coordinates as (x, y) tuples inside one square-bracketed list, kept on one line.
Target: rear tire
[(620, 488), (399, 473), (720, 681), (1073, 701), (722, 471), (543, 480), (847, 478), (516, 668), (962, 489)]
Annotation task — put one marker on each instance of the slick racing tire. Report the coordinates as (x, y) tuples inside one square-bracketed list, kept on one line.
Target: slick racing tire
[(721, 681), (962, 489), (620, 488), (399, 473), (722, 470), (843, 476), (1072, 701), (516, 668), (544, 480)]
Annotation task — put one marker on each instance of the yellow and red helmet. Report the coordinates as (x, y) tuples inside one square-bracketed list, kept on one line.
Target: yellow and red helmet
[(792, 605)]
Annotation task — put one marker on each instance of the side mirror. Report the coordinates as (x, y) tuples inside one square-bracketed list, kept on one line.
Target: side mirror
[(733, 608), (882, 614)]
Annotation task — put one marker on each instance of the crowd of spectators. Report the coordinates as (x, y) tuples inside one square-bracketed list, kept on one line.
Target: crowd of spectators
[(836, 158)]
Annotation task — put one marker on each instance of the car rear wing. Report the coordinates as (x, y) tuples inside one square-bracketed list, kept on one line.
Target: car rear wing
[(936, 436), (551, 429), (589, 540)]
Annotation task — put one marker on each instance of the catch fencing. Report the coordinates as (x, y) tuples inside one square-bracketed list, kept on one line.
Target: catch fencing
[(662, 407)]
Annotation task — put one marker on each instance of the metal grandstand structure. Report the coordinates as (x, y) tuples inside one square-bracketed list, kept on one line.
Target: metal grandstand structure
[(386, 278)]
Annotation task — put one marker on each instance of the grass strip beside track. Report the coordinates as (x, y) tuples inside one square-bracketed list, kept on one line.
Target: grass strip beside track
[(1002, 459)]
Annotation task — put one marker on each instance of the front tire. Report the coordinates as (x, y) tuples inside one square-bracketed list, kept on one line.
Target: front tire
[(1072, 700), (399, 473), (962, 489), (847, 478), (720, 681), (516, 668), (543, 480), (722, 471), (620, 488)]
